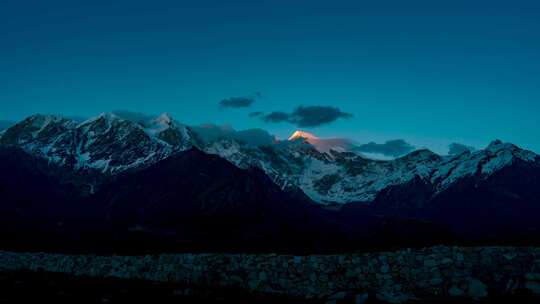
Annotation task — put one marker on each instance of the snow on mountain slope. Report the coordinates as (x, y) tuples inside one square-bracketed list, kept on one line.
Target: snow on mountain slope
[(343, 177), (323, 144), (302, 134), (48, 136), (106, 142), (165, 128), (482, 162), (112, 145)]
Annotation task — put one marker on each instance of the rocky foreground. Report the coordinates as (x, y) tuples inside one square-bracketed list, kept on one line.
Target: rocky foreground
[(45, 287), (431, 275)]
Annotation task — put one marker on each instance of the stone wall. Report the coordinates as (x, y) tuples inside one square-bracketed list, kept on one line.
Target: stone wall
[(393, 276)]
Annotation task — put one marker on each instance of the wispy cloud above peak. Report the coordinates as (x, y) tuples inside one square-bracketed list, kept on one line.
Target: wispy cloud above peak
[(391, 148)]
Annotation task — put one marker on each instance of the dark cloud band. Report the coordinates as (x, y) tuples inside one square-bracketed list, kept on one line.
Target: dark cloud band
[(276, 117), (240, 101), (256, 114), (310, 116), (237, 102)]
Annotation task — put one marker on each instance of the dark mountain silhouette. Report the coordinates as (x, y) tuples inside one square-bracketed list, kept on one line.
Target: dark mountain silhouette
[(502, 208), (193, 201), (197, 200)]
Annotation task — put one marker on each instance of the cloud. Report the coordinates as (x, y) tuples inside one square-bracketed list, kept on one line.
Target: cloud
[(237, 102), (314, 116), (457, 148), (310, 116), (393, 148), (256, 114), (275, 117), (240, 101)]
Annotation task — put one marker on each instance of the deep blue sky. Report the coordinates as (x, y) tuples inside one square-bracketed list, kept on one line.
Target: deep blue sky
[(431, 72)]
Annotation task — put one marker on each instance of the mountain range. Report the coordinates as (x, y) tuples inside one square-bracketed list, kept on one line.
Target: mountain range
[(328, 171), (156, 177)]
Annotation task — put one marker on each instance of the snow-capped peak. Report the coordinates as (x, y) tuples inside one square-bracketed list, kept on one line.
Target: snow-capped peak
[(106, 142), (509, 151), (107, 117), (302, 134), (496, 145), (323, 145), (159, 124), (164, 119)]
